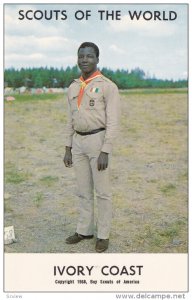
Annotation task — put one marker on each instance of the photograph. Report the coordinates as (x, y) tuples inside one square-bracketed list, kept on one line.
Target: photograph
[(96, 146)]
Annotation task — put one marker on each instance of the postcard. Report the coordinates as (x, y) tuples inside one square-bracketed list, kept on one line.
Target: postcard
[(96, 148)]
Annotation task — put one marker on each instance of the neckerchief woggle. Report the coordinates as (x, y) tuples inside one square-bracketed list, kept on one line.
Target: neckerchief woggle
[(84, 84)]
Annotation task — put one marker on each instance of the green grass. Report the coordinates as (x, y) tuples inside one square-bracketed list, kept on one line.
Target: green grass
[(35, 97), (41, 140), (184, 176), (7, 207), (168, 189), (38, 199), (13, 175), (44, 97), (49, 180), (149, 168), (156, 238), (155, 91)]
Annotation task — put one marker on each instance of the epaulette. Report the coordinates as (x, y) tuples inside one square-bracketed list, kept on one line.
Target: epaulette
[(73, 81), (107, 79)]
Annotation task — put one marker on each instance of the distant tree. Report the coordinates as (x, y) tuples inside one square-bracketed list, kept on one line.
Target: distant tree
[(138, 73), (54, 77)]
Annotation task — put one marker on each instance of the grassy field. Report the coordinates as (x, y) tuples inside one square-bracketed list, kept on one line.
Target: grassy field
[(149, 175)]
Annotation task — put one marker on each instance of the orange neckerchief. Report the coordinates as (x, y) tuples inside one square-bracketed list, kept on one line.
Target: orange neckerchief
[(84, 84)]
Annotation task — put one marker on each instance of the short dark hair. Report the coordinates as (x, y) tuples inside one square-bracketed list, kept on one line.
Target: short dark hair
[(89, 44)]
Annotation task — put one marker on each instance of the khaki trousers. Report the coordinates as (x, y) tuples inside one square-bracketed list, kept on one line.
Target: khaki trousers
[(85, 150)]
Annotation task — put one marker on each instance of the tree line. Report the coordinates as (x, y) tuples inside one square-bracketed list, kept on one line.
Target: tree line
[(61, 78)]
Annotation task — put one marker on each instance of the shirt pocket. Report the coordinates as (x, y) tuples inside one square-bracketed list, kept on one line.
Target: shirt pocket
[(73, 102), (94, 101)]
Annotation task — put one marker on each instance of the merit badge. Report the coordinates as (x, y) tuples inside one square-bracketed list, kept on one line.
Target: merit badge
[(91, 102)]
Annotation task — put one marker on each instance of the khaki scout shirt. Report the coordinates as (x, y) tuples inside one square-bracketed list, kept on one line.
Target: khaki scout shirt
[(100, 107)]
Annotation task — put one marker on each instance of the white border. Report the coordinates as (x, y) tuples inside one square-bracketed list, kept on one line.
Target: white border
[(84, 296)]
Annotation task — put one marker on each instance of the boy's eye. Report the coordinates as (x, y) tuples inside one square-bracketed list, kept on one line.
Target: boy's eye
[(88, 56)]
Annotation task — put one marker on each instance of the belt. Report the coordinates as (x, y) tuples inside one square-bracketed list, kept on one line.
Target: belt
[(90, 132)]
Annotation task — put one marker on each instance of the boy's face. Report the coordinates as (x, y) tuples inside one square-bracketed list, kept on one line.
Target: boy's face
[(87, 60)]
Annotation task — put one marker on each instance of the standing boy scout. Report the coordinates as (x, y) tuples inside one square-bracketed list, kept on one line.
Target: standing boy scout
[(93, 116)]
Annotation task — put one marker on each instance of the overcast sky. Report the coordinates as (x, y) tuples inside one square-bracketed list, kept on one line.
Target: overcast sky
[(158, 47)]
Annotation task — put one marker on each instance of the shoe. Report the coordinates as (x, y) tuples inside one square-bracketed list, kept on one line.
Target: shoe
[(101, 245), (76, 238)]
